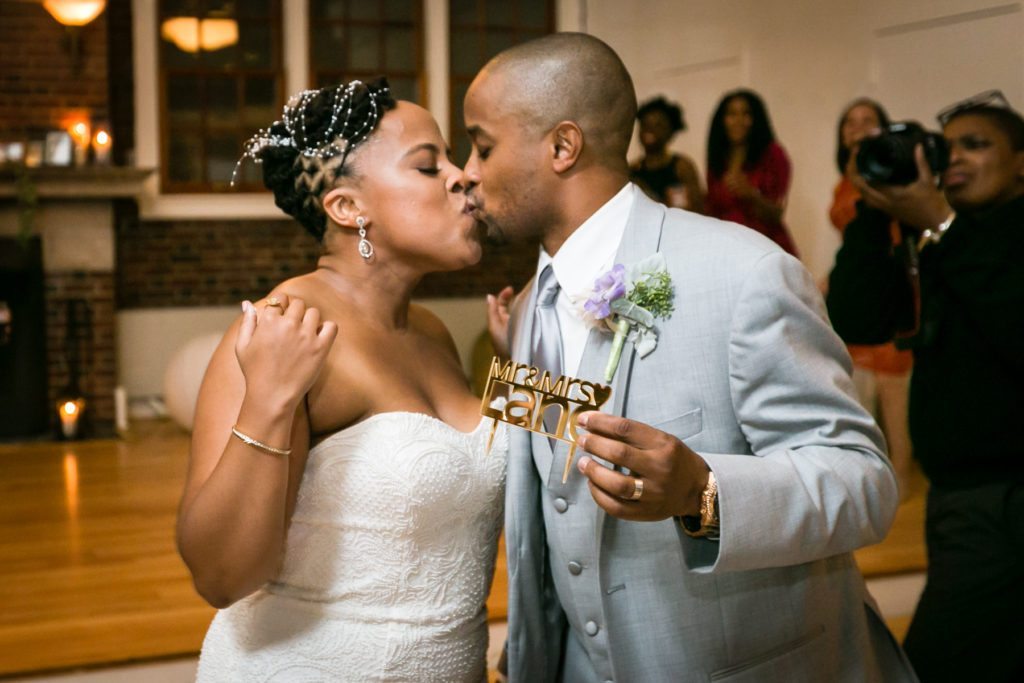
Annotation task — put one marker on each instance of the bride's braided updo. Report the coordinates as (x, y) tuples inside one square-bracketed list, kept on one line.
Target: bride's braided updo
[(304, 154)]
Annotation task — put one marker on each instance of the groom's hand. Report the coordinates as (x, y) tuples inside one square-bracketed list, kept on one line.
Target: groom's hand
[(673, 475)]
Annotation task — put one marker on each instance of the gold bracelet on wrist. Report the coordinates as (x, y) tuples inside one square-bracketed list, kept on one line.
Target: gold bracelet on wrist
[(249, 441)]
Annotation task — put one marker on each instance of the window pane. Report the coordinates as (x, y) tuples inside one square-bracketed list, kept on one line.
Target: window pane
[(364, 49), (259, 9), (179, 8), (222, 152), (463, 11), (185, 162), (361, 10), (328, 78), (256, 45), (533, 14), (183, 105), (500, 12), (260, 101), (220, 55), (404, 89), (400, 50), (466, 53), (221, 8), (498, 41), (399, 10), (328, 45), (221, 101), (327, 9)]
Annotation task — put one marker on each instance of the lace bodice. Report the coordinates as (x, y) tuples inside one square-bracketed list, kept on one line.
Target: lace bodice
[(387, 564)]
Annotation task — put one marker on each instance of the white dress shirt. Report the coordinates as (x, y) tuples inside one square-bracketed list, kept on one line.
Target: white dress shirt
[(586, 255)]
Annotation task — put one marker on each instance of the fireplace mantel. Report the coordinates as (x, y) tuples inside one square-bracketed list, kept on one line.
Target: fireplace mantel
[(90, 182)]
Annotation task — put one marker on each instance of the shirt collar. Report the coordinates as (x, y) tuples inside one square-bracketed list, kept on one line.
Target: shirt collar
[(591, 247)]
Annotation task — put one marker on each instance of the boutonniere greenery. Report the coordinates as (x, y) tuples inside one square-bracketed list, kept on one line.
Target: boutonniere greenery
[(626, 301)]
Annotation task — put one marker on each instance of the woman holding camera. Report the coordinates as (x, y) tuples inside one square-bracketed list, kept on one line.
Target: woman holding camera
[(963, 307), (881, 372), (748, 171)]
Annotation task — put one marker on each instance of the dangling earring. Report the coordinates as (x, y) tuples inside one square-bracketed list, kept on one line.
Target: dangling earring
[(365, 248)]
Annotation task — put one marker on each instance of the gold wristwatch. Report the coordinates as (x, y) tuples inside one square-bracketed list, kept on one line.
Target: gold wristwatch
[(705, 526)]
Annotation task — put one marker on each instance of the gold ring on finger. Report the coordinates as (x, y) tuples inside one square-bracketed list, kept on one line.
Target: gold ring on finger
[(638, 488), (276, 303)]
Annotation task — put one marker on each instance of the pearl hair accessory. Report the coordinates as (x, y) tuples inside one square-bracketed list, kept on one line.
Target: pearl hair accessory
[(331, 143)]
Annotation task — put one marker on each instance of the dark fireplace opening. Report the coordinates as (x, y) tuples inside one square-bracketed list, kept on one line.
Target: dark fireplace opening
[(24, 404)]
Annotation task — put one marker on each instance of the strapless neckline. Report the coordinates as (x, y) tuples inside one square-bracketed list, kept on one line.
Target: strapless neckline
[(403, 414)]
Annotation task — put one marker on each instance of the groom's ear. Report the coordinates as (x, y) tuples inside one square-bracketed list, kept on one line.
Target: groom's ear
[(567, 146), (342, 207)]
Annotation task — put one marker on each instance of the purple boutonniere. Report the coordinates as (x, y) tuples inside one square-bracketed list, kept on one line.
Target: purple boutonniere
[(626, 301)]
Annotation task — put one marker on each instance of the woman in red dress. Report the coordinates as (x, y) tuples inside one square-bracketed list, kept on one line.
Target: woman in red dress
[(748, 172)]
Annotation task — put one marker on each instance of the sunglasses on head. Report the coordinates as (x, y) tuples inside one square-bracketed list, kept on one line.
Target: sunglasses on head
[(989, 98)]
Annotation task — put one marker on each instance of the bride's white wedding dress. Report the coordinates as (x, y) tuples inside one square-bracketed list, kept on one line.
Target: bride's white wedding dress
[(387, 564)]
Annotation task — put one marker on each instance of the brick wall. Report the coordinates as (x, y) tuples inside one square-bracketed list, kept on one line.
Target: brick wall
[(98, 359), (212, 263), (39, 87)]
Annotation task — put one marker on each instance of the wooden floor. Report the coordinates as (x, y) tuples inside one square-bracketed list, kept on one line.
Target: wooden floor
[(89, 573)]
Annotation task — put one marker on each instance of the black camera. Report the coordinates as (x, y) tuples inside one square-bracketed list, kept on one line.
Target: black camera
[(888, 158)]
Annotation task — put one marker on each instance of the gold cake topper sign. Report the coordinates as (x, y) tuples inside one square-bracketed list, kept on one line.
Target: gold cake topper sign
[(532, 393)]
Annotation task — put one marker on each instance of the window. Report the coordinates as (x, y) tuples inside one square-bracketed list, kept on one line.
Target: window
[(478, 30), (352, 39), (220, 80)]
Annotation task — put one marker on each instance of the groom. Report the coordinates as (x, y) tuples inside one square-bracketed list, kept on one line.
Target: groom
[(708, 532)]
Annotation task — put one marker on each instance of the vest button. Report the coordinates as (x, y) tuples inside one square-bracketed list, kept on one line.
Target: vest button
[(575, 568), (561, 504), (591, 628)]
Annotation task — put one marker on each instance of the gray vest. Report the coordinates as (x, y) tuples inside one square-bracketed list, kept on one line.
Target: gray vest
[(569, 512)]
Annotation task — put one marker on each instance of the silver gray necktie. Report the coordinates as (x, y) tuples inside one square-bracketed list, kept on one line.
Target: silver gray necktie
[(547, 337)]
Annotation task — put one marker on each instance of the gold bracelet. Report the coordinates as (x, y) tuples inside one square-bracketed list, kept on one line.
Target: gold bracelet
[(249, 441)]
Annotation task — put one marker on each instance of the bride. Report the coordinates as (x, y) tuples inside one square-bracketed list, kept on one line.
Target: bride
[(340, 508)]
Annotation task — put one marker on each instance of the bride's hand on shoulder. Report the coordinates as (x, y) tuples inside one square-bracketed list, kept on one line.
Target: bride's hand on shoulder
[(281, 347)]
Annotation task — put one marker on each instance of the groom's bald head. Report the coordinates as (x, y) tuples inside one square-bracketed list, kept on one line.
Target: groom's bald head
[(567, 77)]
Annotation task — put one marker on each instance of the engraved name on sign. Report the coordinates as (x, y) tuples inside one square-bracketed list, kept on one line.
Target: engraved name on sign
[(531, 394)]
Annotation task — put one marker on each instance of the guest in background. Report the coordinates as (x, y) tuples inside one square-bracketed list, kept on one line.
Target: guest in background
[(665, 176), (881, 372), (748, 172)]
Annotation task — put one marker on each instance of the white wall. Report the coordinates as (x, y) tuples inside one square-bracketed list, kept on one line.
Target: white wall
[(808, 58)]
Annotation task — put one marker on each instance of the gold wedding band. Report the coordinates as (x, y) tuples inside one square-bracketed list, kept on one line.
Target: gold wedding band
[(638, 488), (275, 302)]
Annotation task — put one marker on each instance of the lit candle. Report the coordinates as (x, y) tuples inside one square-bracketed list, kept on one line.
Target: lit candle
[(79, 132), (69, 412), (101, 143)]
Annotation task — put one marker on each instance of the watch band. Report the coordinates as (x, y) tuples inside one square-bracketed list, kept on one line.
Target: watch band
[(707, 525)]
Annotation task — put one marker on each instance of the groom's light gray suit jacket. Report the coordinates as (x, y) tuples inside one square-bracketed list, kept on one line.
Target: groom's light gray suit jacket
[(749, 374)]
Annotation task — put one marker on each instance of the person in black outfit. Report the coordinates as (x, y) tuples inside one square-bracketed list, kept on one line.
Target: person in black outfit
[(960, 306), (667, 177)]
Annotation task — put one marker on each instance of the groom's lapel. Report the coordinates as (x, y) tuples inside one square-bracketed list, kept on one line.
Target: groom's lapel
[(640, 240)]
